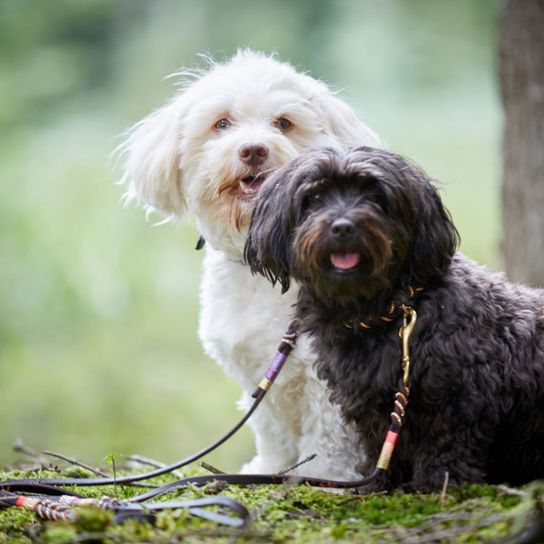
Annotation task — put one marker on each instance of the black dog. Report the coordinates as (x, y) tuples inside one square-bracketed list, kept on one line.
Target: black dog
[(365, 233)]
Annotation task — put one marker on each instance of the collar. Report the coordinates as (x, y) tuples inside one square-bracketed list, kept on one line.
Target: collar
[(395, 309), (201, 242)]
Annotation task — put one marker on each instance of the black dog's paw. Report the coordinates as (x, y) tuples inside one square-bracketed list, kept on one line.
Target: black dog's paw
[(380, 484)]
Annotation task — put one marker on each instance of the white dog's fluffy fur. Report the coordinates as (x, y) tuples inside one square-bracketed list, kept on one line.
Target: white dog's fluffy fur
[(187, 156)]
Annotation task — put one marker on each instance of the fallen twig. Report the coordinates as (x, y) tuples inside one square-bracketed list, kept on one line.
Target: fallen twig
[(444, 491), (211, 468), (304, 461), (20, 447), (140, 459), (76, 463), (505, 490)]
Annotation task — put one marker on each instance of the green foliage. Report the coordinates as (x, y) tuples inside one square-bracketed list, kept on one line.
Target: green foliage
[(98, 342)]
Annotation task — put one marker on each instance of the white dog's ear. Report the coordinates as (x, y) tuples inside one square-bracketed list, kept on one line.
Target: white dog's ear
[(344, 124), (152, 160)]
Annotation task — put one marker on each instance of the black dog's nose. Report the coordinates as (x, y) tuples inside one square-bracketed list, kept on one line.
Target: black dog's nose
[(253, 154), (342, 228)]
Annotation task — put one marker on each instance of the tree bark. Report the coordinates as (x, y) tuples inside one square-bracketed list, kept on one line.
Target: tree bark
[(522, 86)]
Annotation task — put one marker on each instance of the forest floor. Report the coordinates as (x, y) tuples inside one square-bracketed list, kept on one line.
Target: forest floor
[(297, 513)]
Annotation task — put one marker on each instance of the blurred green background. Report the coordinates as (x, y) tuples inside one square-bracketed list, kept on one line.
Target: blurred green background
[(98, 345)]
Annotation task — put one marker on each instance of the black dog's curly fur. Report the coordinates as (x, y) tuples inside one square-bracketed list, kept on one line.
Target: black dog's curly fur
[(477, 377)]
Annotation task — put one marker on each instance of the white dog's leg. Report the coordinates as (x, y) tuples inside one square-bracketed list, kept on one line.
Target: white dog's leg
[(275, 441), (326, 434)]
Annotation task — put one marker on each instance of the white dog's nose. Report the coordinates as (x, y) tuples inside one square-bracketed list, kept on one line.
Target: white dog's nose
[(253, 154)]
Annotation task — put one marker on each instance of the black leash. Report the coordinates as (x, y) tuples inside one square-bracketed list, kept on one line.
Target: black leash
[(284, 349), (46, 491), (61, 507), (59, 502)]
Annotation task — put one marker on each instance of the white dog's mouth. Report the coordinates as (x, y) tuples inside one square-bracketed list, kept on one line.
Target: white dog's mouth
[(250, 185), (244, 188)]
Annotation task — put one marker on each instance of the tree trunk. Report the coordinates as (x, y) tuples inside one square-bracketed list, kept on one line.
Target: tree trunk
[(522, 86)]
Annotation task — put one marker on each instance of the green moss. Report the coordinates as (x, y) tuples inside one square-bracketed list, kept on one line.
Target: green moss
[(18, 526), (92, 520), (59, 533), (468, 514), (78, 472)]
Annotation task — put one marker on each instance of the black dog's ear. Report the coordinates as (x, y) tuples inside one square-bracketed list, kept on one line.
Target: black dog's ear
[(269, 240), (278, 211), (435, 238), (425, 236)]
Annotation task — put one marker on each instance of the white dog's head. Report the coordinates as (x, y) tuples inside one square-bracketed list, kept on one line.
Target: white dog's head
[(209, 149)]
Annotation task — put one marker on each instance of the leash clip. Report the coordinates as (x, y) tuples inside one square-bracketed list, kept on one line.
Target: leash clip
[(409, 318)]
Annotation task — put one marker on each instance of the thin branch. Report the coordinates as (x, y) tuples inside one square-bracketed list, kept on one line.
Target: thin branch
[(76, 463), (304, 461), (443, 494), (211, 468), (505, 490), (20, 447), (34, 468), (439, 534), (140, 459)]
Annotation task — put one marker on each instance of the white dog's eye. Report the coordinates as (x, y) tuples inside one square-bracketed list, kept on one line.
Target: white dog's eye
[(283, 123), (222, 124)]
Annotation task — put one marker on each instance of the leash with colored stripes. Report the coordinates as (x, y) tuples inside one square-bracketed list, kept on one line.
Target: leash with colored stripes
[(51, 501)]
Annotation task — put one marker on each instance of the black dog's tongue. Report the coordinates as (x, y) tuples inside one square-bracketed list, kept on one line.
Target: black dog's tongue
[(345, 261)]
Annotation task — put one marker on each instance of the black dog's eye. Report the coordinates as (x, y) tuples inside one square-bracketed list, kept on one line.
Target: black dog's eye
[(376, 193), (283, 124), (311, 200), (222, 124), (380, 200)]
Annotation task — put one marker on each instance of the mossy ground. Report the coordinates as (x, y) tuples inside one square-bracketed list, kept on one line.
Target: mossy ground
[(467, 514)]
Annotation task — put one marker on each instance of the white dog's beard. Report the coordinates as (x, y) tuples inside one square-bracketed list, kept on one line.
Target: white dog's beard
[(229, 203), (232, 199)]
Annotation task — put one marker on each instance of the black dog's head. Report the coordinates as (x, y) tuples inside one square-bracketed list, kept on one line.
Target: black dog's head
[(350, 225)]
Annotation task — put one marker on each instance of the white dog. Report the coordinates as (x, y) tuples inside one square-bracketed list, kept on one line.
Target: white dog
[(207, 151)]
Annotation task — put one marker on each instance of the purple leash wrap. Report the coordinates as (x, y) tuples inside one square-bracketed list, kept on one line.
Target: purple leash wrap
[(287, 345), (275, 366)]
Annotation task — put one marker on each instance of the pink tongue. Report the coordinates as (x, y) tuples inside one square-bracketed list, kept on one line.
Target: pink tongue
[(345, 261)]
